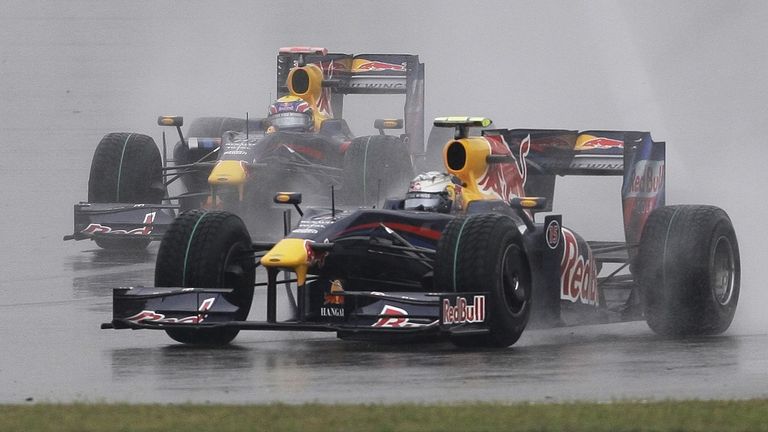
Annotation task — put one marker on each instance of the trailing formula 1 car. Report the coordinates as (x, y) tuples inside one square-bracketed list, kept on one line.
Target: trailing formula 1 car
[(235, 164), (461, 256)]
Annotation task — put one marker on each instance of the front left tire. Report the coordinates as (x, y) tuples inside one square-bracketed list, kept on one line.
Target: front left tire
[(208, 249), (484, 253)]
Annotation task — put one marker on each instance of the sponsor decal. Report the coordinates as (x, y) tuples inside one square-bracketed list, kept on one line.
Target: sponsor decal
[(377, 66), (646, 179), (392, 321), (153, 316), (332, 297), (333, 312), (314, 258), (594, 163), (601, 143), (299, 106), (578, 276), (372, 84), (463, 312), (506, 180), (95, 228), (553, 234)]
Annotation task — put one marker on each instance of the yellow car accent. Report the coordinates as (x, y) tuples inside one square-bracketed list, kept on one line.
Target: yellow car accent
[(466, 159), (289, 253), (452, 121), (287, 198), (227, 172), (170, 121), (306, 82)]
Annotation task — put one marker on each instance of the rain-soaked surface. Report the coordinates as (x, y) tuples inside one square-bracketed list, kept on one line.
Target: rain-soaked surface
[(72, 71)]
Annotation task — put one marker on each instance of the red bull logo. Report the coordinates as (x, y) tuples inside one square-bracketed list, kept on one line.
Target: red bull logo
[(463, 312), (647, 179), (377, 66), (506, 180), (578, 276)]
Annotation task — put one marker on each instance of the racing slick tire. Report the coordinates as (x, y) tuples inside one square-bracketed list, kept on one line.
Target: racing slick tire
[(208, 249), (374, 167), (689, 270), (126, 168), (484, 253)]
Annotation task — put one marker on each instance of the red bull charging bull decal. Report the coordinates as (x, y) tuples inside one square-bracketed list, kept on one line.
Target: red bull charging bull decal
[(96, 228), (506, 180), (330, 69), (362, 65), (153, 316)]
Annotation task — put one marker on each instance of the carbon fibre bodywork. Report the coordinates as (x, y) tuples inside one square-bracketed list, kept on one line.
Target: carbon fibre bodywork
[(229, 163), (371, 271)]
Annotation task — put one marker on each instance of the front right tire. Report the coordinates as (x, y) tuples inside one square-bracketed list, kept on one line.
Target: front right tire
[(126, 168)]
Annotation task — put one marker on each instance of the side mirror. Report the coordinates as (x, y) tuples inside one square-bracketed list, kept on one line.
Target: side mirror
[(170, 121), (528, 203), (382, 124), (289, 198)]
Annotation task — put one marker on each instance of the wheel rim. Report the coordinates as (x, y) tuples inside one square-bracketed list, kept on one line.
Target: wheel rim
[(233, 270), (723, 271), (515, 295)]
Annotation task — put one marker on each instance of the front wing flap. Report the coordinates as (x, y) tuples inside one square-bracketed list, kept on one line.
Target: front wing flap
[(115, 220), (363, 312), (151, 306)]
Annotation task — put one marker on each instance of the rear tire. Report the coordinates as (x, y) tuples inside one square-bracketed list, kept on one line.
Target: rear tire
[(689, 270), (484, 253), (375, 167), (126, 168), (208, 250)]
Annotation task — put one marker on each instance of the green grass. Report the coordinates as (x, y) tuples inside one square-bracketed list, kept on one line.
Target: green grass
[(750, 415)]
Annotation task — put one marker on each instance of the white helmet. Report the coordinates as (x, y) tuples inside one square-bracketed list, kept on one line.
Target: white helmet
[(428, 191)]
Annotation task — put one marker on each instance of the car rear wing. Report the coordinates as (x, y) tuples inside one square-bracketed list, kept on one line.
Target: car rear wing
[(345, 74), (631, 154)]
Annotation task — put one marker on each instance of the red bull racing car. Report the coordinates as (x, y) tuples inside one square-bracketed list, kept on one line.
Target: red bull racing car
[(462, 256), (235, 164)]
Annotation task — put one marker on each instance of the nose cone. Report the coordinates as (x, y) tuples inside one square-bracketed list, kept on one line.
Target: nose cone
[(228, 173), (288, 253)]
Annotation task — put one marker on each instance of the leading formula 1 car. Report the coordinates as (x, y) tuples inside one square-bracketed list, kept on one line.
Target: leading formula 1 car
[(233, 164), (468, 261)]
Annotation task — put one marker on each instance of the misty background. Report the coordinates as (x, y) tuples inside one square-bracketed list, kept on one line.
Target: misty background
[(691, 72)]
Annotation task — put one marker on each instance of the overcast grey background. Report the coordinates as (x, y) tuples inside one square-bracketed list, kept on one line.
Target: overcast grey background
[(690, 72)]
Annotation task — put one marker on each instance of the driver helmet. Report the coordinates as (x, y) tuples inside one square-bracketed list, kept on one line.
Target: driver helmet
[(429, 192), (290, 113)]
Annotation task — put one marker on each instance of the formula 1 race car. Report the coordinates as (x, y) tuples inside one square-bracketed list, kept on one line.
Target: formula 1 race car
[(234, 164), (460, 256)]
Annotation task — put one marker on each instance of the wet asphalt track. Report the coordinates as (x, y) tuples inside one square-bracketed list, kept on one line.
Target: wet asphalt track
[(55, 351), (69, 75)]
